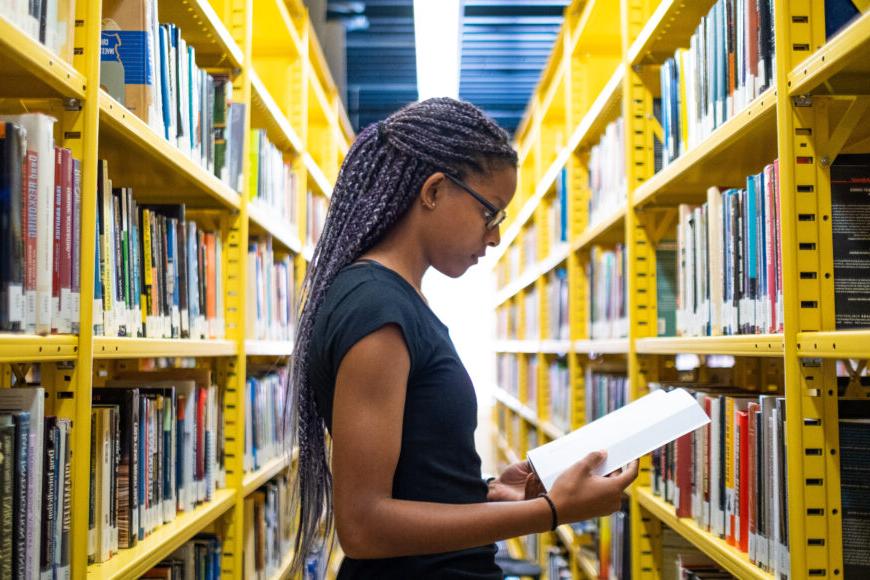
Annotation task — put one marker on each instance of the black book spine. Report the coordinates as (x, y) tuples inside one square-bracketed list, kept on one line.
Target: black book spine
[(119, 300), (66, 511), (7, 477), (19, 547), (850, 208), (11, 200), (181, 261), (49, 496)]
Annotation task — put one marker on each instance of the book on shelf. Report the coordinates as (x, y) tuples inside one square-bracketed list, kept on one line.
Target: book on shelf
[(558, 564), (559, 383), (532, 309), (850, 222), (619, 562), (155, 443), (271, 293), (40, 213), (607, 287), (854, 431), (49, 22), (265, 392), (531, 399), (731, 476), (159, 274), (272, 180), (558, 323), (607, 184), (737, 233), (666, 288), (149, 68), (529, 246), (729, 62), (35, 487), (268, 528), (625, 434), (557, 210), (839, 14), (199, 557)]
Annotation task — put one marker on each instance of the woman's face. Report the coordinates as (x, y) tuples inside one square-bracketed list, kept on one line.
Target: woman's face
[(457, 224)]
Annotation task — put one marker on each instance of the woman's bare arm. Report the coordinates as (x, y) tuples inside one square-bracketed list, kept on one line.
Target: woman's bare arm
[(367, 429)]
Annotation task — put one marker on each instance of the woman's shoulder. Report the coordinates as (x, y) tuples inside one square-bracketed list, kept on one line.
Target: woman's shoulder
[(363, 284)]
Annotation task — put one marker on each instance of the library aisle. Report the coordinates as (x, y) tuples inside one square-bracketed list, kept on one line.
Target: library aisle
[(692, 212)]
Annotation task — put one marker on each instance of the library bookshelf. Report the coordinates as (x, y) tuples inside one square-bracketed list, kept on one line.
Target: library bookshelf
[(605, 64), (280, 76)]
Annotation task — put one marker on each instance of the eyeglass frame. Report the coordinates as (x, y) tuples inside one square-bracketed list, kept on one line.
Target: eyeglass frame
[(494, 215)]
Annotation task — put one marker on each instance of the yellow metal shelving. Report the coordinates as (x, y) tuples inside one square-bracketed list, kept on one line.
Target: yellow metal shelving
[(32, 70), (34, 348), (818, 109), (164, 540), (273, 56), (727, 556)]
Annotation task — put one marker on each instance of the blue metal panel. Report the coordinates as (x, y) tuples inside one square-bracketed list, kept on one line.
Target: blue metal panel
[(505, 45)]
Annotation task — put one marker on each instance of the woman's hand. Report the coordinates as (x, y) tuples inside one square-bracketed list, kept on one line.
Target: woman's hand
[(517, 482), (578, 494)]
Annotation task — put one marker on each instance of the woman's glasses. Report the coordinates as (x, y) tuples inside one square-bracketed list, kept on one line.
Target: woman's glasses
[(494, 216)]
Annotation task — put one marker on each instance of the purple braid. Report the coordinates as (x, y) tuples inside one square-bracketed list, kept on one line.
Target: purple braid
[(379, 180)]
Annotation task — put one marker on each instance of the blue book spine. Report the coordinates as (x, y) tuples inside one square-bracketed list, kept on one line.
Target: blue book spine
[(164, 80)]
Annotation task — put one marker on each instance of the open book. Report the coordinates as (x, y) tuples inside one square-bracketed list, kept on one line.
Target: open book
[(626, 434)]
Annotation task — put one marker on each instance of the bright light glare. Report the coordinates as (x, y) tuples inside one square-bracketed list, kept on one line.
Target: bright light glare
[(436, 31)]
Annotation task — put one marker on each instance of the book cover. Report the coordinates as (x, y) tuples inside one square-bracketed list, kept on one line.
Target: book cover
[(850, 200), (12, 155)]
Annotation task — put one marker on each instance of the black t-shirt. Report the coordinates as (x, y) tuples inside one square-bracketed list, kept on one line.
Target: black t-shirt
[(437, 461)]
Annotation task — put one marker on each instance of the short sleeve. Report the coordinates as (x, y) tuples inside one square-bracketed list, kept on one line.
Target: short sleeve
[(372, 305)]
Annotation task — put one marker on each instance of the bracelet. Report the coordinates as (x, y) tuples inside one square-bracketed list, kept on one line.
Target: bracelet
[(552, 510)]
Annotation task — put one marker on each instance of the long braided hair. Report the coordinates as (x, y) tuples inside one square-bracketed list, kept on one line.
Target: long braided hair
[(377, 183)]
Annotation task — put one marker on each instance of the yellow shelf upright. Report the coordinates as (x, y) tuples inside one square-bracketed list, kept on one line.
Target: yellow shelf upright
[(808, 144), (640, 273), (71, 388), (231, 371)]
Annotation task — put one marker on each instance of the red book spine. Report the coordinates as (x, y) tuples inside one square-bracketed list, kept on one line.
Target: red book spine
[(30, 192), (57, 258), (684, 476), (751, 475), (743, 482)]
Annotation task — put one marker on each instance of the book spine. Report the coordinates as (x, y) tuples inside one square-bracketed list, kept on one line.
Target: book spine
[(65, 309), (7, 493), (57, 237)]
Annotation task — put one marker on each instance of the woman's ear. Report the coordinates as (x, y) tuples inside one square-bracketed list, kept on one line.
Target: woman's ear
[(429, 192)]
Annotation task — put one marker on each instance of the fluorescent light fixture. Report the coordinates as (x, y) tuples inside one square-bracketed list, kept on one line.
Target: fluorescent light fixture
[(436, 31)]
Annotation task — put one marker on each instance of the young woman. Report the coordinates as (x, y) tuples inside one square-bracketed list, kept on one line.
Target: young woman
[(375, 366)]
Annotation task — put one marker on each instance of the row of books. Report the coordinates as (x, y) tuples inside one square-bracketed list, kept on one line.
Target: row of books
[(729, 266), (614, 545), (273, 182), (607, 287), (35, 487), (559, 381), (40, 209), (156, 449), (197, 559), (731, 476), (159, 274), (604, 392), (608, 188), (317, 207), (151, 69), (728, 63), (268, 528), (47, 21), (558, 321), (271, 293), (265, 396)]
